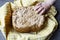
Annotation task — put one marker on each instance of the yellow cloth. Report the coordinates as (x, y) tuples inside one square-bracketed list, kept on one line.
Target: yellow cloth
[(43, 34)]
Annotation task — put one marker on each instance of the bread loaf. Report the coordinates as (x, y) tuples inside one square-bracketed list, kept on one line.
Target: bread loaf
[(25, 19)]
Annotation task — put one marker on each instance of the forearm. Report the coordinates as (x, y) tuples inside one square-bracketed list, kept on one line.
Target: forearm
[(50, 2)]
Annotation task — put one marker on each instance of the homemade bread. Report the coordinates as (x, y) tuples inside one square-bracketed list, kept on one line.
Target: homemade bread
[(25, 19)]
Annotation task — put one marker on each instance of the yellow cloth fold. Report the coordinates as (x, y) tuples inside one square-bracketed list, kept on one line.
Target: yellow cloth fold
[(5, 17)]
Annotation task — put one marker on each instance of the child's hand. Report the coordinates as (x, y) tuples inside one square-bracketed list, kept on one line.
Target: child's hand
[(41, 7)]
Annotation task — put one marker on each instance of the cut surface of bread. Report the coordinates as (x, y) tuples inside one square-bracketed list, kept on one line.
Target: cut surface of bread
[(25, 19)]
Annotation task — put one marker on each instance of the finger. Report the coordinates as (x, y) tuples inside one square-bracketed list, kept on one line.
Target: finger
[(38, 4), (37, 7), (39, 10), (42, 12)]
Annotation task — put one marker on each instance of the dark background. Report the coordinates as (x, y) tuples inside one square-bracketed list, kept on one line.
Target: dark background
[(56, 34)]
